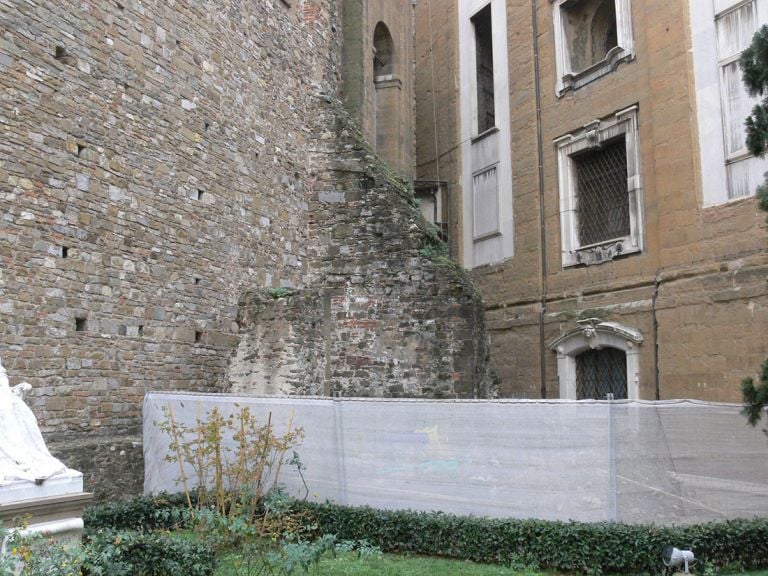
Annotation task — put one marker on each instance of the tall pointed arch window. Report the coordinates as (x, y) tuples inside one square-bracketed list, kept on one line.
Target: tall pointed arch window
[(387, 96), (383, 52)]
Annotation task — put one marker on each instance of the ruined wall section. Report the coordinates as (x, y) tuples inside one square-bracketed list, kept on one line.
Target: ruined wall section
[(153, 165), (385, 314)]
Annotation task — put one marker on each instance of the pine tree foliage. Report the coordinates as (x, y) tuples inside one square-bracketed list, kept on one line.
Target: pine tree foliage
[(754, 68), (755, 397)]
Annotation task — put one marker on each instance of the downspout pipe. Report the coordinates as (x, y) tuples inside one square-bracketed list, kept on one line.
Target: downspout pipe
[(654, 311), (542, 220)]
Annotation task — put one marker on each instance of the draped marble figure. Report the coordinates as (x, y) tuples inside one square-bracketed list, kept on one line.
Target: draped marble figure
[(23, 453)]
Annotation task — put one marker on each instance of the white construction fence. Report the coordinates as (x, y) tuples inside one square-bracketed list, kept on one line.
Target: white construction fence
[(665, 462)]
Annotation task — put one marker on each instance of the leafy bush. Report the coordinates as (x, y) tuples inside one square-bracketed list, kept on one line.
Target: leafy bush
[(592, 548), (107, 552), (145, 513), (231, 478), (36, 555), (116, 553)]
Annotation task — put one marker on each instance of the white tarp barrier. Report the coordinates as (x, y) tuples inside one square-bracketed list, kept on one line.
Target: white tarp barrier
[(662, 462)]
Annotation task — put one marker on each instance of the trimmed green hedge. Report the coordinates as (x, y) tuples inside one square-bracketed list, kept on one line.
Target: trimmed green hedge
[(131, 553), (127, 539), (160, 512), (565, 546)]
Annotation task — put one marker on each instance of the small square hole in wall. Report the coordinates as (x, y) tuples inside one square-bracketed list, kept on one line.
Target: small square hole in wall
[(200, 194), (198, 336), (80, 148), (120, 5), (122, 330), (197, 281), (141, 330), (81, 324), (64, 251)]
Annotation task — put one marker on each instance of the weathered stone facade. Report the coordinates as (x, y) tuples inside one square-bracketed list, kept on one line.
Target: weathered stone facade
[(160, 161), (696, 291), (383, 315), (378, 77)]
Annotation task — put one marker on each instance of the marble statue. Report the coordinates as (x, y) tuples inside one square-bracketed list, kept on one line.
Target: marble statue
[(23, 453)]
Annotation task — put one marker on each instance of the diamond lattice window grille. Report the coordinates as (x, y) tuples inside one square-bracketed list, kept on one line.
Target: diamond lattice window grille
[(603, 203), (601, 372)]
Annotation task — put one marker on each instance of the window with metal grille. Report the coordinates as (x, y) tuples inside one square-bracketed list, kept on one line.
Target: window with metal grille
[(601, 183), (601, 372)]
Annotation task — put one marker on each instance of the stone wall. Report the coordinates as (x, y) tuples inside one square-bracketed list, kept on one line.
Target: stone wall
[(385, 314), (383, 106), (153, 160), (167, 171)]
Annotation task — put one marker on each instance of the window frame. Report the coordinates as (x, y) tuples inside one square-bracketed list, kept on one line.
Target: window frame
[(591, 136), (569, 79), (594, 334), (741, 156), (480, 127)]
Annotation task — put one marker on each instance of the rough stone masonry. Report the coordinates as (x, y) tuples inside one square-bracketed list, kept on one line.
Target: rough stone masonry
[(164, 167)]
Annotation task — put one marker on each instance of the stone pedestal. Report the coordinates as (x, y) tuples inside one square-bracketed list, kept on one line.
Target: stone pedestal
[(53, 507)]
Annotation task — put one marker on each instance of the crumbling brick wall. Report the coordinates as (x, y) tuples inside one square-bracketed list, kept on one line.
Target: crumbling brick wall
[(384, 313)]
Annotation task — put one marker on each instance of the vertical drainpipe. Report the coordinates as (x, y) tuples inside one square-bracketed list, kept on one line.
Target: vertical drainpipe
[(656, 337), (540, 153)]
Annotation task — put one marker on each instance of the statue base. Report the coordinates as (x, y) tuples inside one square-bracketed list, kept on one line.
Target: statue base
[(53, 508)]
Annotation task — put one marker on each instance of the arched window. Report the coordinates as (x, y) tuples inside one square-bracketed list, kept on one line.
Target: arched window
[(387, 97), (597, 359), (383, 51), (603, 30)]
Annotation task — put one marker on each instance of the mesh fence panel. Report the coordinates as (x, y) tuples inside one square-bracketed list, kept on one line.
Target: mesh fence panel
[(633, 462)]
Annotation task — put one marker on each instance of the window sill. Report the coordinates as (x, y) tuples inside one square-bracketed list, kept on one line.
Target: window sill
[(484, 135), (387, 81), (601, 252), (575, 80), (486, 236)]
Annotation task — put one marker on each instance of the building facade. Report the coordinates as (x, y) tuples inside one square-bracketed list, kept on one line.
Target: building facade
[(600, 190), (185, 204)]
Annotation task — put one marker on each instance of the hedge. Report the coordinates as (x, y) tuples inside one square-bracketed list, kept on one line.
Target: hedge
[(565, 546), (131, 553), (160, 512), (125, 539)]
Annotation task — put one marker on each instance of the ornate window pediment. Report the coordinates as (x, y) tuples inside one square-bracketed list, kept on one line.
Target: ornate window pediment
[(594, 334)]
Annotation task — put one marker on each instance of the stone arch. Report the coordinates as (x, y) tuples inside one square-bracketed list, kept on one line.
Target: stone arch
[(595, 334), (383, 52), (387, 95)]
